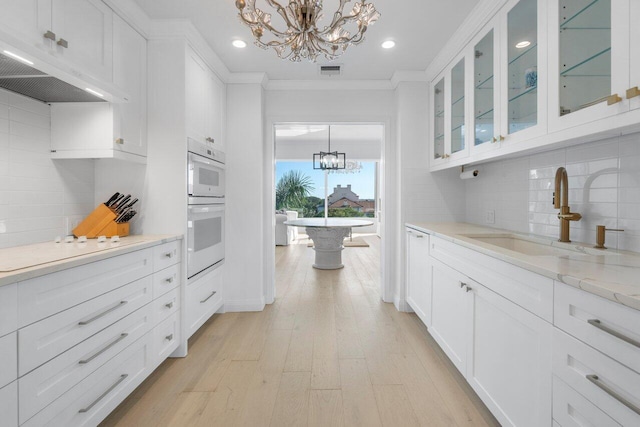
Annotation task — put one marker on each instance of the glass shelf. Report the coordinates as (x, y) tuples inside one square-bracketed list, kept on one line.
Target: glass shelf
[(598, 65), (439, 113), (587, 17), (485, 115), (485, 84), (532, 48), (526, 91)]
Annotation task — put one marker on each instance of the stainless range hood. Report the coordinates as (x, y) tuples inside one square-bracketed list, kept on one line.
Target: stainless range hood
[(21, 78)]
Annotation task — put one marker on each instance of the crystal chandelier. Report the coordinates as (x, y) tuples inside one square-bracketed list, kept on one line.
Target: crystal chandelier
[(302, 38)]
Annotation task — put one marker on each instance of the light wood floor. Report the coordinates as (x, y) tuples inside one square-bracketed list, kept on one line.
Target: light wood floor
[(328, 352)]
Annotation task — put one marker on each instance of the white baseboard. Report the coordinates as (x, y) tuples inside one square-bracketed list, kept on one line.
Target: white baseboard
[(402, 305), (235, 306)]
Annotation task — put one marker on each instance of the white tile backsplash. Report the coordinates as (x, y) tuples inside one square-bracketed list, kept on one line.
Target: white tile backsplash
[(604, 187), (37, 194)]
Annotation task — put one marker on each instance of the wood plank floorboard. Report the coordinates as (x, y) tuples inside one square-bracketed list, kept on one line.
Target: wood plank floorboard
[(328, 352)]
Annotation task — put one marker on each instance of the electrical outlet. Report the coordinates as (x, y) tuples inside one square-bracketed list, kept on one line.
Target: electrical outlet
[(491, 217)]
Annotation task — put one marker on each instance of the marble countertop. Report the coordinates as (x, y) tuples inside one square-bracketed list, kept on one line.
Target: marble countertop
[(328, 222), (611, 274), (29, 261)]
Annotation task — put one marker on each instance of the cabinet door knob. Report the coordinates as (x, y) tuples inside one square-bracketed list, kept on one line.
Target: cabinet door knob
[(50, 35), (63, 43), (169, 337), (209, 139), (446, 156), (462, 285), (613, 99), (120, 141), (633, 92), (169, 254), (169, 280), (468, 288), (169, 305)]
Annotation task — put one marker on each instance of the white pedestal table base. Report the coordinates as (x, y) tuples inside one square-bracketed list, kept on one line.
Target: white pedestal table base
[(327, 242)]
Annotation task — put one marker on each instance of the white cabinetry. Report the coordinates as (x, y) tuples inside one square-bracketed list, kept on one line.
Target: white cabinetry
[(106, 130), (205, 102), (76, 31), (203, 299), (9, 404), (419, 275)]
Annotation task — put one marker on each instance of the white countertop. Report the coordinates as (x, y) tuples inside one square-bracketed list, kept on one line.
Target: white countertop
[(328, 222), (49, 257), (611, 274)]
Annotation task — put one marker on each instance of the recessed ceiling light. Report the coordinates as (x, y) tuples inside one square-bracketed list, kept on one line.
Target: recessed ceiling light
[(19, 58), (239, 44), (93, 92), (523, 44), (388, 44)]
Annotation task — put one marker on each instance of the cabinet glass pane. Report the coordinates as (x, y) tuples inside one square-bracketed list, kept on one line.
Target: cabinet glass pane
[(523, 62), (438, 110), (483, 92), (585, 53), (457, 107)]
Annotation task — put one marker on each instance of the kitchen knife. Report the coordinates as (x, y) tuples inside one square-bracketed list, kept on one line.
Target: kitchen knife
[(132, 203), (130, 216), (112, 199), (121, 215), (123, 202), (116, 201)]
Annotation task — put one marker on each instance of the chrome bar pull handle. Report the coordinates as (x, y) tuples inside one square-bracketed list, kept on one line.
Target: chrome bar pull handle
[(107, 347), (104, 313), (103, 395), (598, 324), (208, 298), (594, 379)]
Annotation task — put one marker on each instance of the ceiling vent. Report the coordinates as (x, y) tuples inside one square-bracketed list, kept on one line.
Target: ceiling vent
[(331, 70)]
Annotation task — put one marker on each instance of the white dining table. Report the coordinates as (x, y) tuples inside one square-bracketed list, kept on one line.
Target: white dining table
[(328, 235)]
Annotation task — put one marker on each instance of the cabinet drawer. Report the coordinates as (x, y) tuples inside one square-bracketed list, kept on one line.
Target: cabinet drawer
[(165, 306), (8, 358), (570, 409), (44, 385), (47, 295), (166, 255), (8, 308), (605, 325), (203, 298), (603, 381), (529, 290), (166, 280), (96, 396), (44, 340), (166, 337), (9, 405)]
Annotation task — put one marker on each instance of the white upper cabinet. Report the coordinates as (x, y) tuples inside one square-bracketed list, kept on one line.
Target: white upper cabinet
[(206, 99), (589, 52), (130, 74), (79, 32), (633, 93)]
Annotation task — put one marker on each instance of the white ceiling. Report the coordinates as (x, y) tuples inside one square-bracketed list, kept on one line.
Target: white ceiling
[(420, 29)]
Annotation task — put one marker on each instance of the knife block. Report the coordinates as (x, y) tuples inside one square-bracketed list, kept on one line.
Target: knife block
[(101, 222)]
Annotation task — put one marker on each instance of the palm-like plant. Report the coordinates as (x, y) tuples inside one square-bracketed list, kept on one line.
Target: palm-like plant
[(292, 190)]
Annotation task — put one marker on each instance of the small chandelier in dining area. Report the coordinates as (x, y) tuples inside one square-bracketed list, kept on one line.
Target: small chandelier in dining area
[(302, 36), (329, 160)]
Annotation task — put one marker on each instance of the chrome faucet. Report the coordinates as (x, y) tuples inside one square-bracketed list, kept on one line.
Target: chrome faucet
[(561, 201)]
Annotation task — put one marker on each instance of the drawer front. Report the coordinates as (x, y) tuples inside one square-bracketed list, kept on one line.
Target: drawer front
[(166, 337), (8, 309), (166, 280), (8, 359), (165, 306), (529, 290), (203, 298), (571, 409), (44, 340), (9, 405), (614, 384), (96, 396), (166, 255), (605, 325), (47, 295), (44, 385)]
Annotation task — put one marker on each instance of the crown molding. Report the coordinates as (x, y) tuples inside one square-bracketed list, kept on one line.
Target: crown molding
[(407, 76), (132, 14), (329, 85), (477, 19), (162, 29), (249, 78)]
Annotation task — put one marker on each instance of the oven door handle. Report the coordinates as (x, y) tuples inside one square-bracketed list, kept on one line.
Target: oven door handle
[(196, 158), (197, 209)]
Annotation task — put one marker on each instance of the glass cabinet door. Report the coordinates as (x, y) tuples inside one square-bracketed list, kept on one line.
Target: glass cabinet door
[(522, 69), (458, 108), (438, 122), (484, 90), (585, 53)]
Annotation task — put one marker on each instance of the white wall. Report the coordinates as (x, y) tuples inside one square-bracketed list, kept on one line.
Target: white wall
[(245, 235), (604, 186), (37, 195)]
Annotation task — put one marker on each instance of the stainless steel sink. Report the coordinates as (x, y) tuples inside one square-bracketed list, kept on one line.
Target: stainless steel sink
[(523, 244)]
